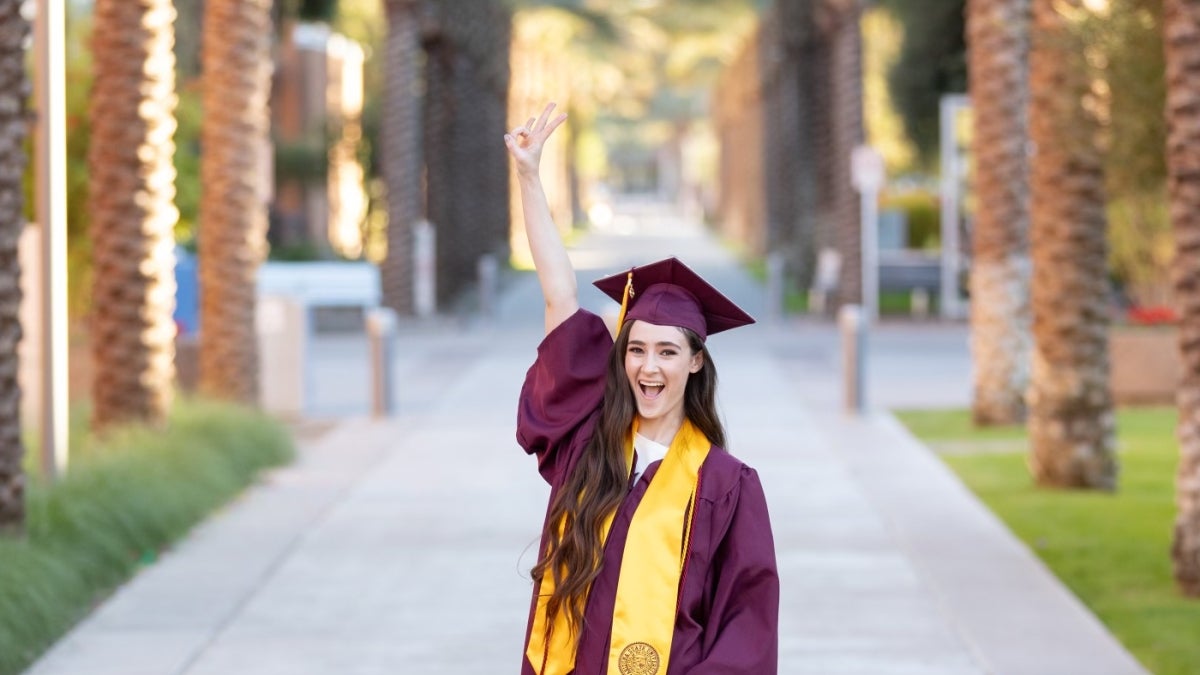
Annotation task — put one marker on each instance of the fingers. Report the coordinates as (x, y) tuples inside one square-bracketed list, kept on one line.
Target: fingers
[(535, 129), (554, 123), (541, 122)]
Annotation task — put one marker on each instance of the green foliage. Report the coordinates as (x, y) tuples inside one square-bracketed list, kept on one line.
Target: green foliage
[(299, 252), (126, 497), (309, 10), (188, 116), (305, 159), (1140, 245), (1111, 550), (78, 86), (932, 62), (923, 212), (1131, 37)]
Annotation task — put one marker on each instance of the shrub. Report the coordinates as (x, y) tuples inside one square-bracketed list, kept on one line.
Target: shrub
[(922, 211), (125, 498)]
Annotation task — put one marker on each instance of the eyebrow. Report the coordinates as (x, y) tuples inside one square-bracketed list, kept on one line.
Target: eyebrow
[(660, 343)]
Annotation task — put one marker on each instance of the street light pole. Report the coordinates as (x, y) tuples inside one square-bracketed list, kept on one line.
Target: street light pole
[(51, 213)]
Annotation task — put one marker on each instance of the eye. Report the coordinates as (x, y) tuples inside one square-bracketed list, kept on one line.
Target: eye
[(635, 350), (669, 352)]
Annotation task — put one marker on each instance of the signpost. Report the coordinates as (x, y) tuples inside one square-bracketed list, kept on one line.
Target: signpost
[(867, 175)]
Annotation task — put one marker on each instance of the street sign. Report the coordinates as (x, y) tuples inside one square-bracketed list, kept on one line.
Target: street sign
[(866, 169)]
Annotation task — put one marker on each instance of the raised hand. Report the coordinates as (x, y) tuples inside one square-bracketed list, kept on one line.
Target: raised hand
[(525, 142)]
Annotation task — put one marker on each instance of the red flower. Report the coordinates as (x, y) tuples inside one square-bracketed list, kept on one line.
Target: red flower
[(1152, 316)]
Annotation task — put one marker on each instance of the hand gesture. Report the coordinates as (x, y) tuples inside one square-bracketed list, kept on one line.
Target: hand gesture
[(525, 142)]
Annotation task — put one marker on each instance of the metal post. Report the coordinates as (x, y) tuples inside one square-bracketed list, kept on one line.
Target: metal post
[(853, 325), (867, 173), (424, 272), (381, 329), (949, 109), (919, 303), (489, 277), (775, 266), (870, 252), (51, 210)]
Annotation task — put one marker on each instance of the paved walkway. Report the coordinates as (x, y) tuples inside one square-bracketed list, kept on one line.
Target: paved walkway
[(403, 546)]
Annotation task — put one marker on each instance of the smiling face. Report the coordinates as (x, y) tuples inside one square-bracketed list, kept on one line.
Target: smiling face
[(658, 362)]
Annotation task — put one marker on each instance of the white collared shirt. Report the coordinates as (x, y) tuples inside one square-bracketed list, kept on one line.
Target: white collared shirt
[(648, 451)]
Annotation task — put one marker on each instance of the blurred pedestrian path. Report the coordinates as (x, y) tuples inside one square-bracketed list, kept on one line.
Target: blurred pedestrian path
[(403, 546)]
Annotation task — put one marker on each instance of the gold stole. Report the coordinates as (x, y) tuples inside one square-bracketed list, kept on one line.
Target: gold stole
[(648, 589), (651, 566)]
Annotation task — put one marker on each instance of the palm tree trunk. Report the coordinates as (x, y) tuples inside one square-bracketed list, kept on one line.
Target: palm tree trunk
[(233, 214), (998, 44), (846, 128), (401, 151), (821, 126), (466, 94), (1181, 26), (497, 76), (438, 114), (131, 202), (14, 87), (1071, 424), (781, 128)]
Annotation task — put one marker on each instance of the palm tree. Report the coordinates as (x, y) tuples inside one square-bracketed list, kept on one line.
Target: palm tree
[(998, 51), (1071, 425), (846, 133), (233, 214), (1181, 28), (14, 87), (443, 61), (401, 154), (466, 96), (131, 202)]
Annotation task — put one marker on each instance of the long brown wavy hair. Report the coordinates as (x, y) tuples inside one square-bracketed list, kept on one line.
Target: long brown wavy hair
[(598, 483)]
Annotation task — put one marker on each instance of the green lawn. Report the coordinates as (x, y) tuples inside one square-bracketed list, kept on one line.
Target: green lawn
[(1112, 550), (795, 301)]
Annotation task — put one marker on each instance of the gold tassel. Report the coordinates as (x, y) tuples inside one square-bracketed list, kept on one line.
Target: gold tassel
[(625, 300)]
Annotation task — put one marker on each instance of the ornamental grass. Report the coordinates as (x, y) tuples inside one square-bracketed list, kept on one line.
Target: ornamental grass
[(125, 499)]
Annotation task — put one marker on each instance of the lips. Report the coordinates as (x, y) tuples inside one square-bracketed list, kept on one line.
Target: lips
[(651, 390)]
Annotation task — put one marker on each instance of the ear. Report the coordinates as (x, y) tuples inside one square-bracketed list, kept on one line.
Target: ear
[(697, 362)]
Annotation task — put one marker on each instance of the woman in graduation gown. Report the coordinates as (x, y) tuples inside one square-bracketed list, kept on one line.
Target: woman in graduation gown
[(656, 555)]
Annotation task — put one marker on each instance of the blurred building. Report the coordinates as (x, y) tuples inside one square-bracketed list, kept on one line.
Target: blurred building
[(320, 203)]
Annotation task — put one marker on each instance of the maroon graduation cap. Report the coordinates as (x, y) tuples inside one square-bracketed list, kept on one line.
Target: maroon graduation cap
[(669, 293)]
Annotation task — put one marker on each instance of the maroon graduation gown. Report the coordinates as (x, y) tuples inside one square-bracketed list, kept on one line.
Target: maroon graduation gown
[(728, 616)]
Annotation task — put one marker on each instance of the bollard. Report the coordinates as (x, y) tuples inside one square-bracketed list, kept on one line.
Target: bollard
[(381, 331), (853, 324), (775, 267), (283, 329), (424, 268), (919, 303), (489, 273)]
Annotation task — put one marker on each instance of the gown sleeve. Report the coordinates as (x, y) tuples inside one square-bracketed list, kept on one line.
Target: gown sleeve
[(742, 634), (563, 389)]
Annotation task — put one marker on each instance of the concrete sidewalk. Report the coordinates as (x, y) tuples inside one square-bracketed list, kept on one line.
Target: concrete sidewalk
[(403, 546)]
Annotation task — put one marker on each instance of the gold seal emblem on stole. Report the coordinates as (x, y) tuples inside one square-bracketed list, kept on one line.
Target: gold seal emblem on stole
[(638, 658)]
